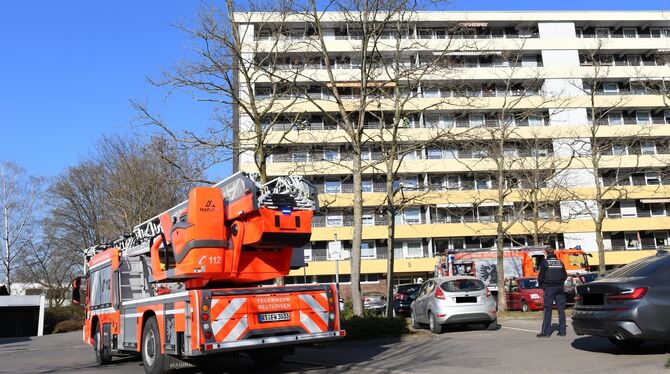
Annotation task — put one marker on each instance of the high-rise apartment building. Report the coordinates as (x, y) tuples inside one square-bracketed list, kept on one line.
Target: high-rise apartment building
[(555, 79)]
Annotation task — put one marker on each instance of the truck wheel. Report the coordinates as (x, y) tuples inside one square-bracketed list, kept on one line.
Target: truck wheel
[(102, 354), (266, 358), (415, 325), (154, 361), (435, 327), (524, 306)]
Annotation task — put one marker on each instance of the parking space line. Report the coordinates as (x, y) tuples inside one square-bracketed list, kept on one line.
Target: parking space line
[(518, 329)]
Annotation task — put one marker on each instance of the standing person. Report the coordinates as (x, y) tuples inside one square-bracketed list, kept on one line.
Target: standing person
[(551, 278)]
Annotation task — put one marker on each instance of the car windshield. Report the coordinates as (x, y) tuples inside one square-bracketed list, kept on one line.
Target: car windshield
[(640, 268), (408, 288), (529, 283), (462, 285)]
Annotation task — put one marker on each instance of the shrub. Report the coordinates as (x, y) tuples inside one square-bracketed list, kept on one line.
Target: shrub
[(52, 316), (372, 327), (68, 325)]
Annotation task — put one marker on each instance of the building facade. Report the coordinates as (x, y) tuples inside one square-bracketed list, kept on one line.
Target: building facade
[(548, 76)]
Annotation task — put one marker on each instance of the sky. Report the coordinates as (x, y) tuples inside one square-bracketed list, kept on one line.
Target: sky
[(68, 70)]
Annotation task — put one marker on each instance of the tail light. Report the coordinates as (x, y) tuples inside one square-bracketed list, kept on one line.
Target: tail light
[(399, 296), (633, 294), (367, 300), (488, 292), (578, 299), (439, 294)]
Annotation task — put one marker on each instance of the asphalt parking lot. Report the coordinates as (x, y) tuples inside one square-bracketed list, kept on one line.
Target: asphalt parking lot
[(512, 349)]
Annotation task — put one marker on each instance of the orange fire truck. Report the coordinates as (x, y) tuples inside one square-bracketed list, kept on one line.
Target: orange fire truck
[(186, 284), (523, 262)]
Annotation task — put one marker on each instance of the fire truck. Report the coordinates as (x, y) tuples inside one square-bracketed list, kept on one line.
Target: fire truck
[(191, 282), (518, 263)]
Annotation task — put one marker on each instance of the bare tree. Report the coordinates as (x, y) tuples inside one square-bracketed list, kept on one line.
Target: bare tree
[(505, 145), (610, 156), (20, 210)]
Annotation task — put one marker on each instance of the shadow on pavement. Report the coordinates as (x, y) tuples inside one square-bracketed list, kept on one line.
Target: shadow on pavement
[(602, 345), (316, 358), (14, 340)]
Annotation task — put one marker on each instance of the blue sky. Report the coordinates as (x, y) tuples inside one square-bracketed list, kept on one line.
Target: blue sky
[(69, 68)]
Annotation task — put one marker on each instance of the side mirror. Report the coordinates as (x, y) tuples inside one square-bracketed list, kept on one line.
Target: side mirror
[(515, 289), (76, 294)]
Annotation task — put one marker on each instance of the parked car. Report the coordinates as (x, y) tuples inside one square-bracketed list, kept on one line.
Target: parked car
[(374, 301), (402, 298), (629, 305), (524, 294), (453, 300), (575, 280)]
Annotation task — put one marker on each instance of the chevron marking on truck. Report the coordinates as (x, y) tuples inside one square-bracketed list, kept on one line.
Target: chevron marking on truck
[(222, 324)]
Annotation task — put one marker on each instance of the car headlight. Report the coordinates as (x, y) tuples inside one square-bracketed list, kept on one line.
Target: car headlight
[(535, 296)]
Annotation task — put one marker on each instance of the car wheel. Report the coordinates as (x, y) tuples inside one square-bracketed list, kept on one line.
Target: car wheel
[(102, 354), (435, 327), (492, 326), (415, 325), (626, 343), (524, 306), (154, 361)]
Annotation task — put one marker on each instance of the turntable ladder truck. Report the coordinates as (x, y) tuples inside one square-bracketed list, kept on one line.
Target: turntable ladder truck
[(191, 282)]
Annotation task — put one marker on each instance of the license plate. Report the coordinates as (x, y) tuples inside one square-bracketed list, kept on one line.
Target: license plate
[(273, 317)]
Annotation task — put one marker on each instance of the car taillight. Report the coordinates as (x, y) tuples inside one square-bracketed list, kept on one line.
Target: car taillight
[(578, 299), (634, 294), (367, 300), (439, 294), (399, 296), (488, 292)]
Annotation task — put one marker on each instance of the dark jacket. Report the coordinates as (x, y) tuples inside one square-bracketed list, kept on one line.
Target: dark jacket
[(552, 272)]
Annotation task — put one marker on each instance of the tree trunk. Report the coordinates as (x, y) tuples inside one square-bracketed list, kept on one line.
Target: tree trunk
[(8, 282), (390, 250), (600, 243), (500, 233), (357, 237)]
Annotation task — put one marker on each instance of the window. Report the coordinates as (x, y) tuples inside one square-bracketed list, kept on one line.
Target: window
[(529, 61), (366, 154), (535, 120), (333, 186), (657, 209), (413, 250), (619, 150), (366, 185), (653, 179), (412, 216), (655, 32), (477, 120), (643, 117), (368, 219), (631, 240), (615, 118), (451, 153), (334, 220), (434, 153), (431, 92), (300, 156), (471, 61), (602, 32), (579, 32), (331, 154), (432, 121), (482, 182), (629, 32), (634, 60), (368, 250), (610, 88), (648, 148), (453, 182), (409, 183)]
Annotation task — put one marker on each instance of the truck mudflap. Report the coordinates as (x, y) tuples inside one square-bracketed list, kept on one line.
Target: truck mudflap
[(242, 318)]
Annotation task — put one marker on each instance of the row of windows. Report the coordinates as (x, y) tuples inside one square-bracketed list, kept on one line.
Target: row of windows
[(623, 32), (492, 59), (462, 30), (638, 208)]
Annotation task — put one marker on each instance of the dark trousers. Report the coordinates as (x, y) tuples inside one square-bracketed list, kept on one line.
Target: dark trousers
[(551, 294)]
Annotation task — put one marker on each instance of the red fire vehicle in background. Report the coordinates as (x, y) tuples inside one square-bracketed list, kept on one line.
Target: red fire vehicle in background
[(187, 283)]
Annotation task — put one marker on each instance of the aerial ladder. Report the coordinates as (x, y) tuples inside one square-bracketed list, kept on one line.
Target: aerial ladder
[(193, 281)]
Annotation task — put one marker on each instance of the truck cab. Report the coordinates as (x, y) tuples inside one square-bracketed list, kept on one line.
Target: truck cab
[(524, 294)]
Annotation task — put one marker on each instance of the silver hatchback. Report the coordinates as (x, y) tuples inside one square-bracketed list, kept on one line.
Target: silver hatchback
[(453, 300)]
